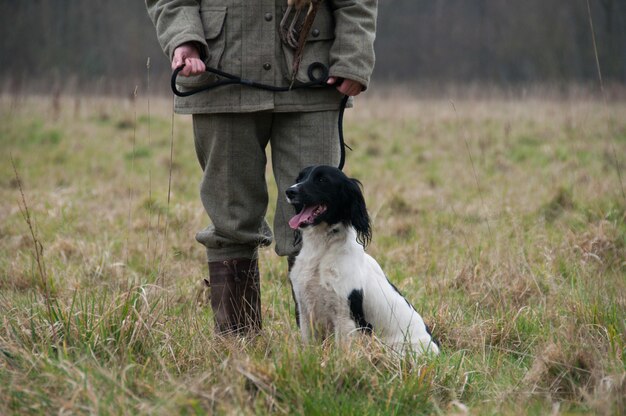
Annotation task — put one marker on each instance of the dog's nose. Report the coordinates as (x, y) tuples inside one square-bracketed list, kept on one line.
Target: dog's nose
[(291, 192)]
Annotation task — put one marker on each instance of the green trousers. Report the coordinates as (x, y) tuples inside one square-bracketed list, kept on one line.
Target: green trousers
[(231, 149)]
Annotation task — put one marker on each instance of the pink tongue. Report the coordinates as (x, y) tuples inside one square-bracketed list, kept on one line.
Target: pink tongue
[(305, 215)]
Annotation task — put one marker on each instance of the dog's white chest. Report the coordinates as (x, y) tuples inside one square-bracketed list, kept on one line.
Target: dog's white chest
[(317, 284), (320, 304)]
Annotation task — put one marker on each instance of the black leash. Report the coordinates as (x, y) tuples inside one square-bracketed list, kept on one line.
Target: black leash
[(314, 81)]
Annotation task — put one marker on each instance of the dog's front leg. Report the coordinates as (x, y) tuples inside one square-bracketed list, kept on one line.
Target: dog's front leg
[(344, 329), (306, 323)]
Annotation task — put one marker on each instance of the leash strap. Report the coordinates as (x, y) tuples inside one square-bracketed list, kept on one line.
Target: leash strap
[(314, 81)]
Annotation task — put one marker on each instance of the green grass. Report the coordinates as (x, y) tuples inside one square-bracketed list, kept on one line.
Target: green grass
[(515, 256)]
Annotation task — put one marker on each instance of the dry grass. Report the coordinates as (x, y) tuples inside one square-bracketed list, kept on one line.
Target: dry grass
[(515, 256)]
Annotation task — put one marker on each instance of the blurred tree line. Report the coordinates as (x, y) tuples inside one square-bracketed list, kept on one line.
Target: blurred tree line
[(502, 41), (496, 41)]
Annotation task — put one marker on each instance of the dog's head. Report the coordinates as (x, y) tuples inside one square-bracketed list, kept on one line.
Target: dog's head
[(326, 194)]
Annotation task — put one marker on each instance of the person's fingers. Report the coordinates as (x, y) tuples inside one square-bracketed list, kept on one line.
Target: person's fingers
[(194, 66), (187, 55), (331, 80), (355, 90), (187, 69), (177, 60), (343, 88), (350, 88), (198, 66)]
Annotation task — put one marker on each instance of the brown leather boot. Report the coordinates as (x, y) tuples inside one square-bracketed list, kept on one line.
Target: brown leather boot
[(291, 260), (235, 295)]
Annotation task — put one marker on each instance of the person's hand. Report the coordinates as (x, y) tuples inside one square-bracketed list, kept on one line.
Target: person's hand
[(188, 54), (346, 86)]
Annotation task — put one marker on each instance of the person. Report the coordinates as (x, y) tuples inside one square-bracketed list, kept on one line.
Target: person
[(233, 124)]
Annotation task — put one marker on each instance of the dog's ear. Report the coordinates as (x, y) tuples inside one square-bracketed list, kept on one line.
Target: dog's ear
[(358, 212)]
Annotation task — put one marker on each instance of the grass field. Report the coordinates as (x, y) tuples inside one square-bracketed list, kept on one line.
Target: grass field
[(502, 221)]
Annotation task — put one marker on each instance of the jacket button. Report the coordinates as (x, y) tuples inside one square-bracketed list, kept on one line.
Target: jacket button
[(315, 33), (267, 66), (268, 17)]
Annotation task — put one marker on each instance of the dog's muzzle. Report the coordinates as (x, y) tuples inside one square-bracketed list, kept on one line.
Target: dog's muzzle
[(292, 194)]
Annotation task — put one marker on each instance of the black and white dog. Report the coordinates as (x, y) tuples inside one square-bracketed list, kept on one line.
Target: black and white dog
[(339, 288)]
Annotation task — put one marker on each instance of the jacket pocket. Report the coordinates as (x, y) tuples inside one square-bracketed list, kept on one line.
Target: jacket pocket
[(213, 19), (317, 48), (213, 23)]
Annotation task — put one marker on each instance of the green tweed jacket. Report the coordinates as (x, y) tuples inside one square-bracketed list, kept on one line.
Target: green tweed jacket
[(241, 37)]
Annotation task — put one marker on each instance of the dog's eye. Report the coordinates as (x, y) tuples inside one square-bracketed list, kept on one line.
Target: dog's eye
[(322, 179)]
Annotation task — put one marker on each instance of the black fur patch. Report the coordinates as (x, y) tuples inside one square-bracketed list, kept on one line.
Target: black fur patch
[(400, 293), (435, 340), (356, 310)]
